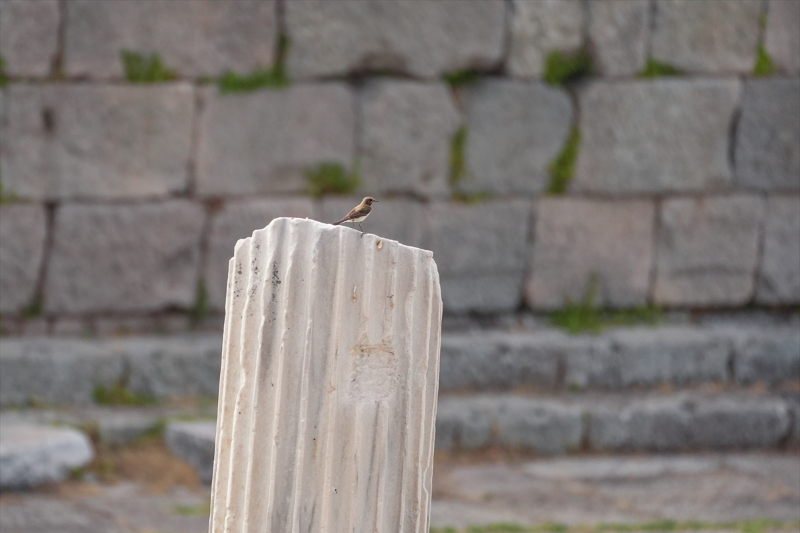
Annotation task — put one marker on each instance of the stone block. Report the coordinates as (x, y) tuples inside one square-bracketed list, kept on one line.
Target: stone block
[(193, 37), (406, 132), (578, 241), (28, 36), (545, 426), (771, 355), (237, 220), (782, 36), (31, 454), (481, 249), (539, 27), (91, 141), (779, 275), (707, 37), (194, 443), (263, 142), (514, 130), (134, 257), (463, 423), (768, 134), (731, 422), (618, 31), (422, 39), (651, 136), (398, 219), (708, 250), (23, 228)]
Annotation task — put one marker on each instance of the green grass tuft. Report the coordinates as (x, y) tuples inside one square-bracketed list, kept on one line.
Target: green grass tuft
[(193, 510), (331, 178), (656, 69), (471, 198), (118, 394), (259, 78), (459, 78), (7, 197), (199, 309), (141, 69), (34, 309), (565, 67), (457, 157), (562, 167), (3, 75), (763, 65)]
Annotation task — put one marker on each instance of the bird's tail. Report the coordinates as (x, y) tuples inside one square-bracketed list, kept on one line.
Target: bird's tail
[(337, 223)]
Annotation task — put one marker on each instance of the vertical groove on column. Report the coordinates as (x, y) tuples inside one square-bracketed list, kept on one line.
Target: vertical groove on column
[(330, 362)]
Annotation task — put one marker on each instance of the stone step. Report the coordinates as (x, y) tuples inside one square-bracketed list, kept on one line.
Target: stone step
[(57, 370)]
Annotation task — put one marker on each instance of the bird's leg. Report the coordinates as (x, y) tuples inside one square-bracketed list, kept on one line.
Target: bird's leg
[(362, 229)]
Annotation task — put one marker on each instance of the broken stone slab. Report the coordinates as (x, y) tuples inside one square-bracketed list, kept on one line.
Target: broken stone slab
[(31, 454), (194, 443), (329, 379)]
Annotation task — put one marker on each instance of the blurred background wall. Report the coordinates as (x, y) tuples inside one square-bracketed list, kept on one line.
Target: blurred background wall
[(640, 152)]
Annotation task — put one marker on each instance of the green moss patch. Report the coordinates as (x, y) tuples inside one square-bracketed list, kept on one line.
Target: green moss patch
[(763, 65), (656, 69), (259, 78), (458, 78), (142, 69), (7, 196), (193, 510), (199, 309), (3, 75), (457, 157), (331, 178), (565, 67), (562, 167), (118, 394)]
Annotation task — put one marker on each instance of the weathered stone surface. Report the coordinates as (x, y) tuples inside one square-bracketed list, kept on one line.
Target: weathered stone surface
[(621, 468), (779, 275), (481, 249), (707, 36), (782, 36), (194, 443), (398, 219), (537, 424), (539, 27), (708, 250), (22, 237), (329, 378), (237, 220), (655, 136), (135, 257), (768, 134), (31, 454), (578, 240), (263, 142), (771, 355), (618, 31), (193, 37), (406, 131), (425, 38), (514, 130), (91, 141), (503, 361), (28, 36), (685, 422)]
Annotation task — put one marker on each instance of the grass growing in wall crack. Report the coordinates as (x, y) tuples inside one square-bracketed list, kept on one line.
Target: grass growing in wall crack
[(259, 78), (656, 69), (3, 75), (331, 178), (565, 67), (118, 394), (763, 65), (199, 309), (562, 167), (141, 69), (459, 78)]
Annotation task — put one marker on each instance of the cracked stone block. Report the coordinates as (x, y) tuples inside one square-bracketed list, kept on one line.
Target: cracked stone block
[(124, 257), (31, 454), (652, 136), (237, 220), (779, 275), (192, 37), (768, 135), (194, 443), (782, 36), (514, 130), (22, 238), (708, 250), (771, 355), (707, 37), (398, 219), (264, 141), (539, 27), (618, 31), (62, 141), (481, 250), (28, 36), (582, 241), (406, 134), (422, 39)]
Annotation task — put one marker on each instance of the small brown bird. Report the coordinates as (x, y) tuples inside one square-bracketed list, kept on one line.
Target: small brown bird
[(358, 213)]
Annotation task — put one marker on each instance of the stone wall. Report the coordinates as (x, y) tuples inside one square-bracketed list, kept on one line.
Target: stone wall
[(122, 201)]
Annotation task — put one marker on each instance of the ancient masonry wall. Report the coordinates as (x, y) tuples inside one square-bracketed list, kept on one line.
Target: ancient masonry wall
[(122, 201)]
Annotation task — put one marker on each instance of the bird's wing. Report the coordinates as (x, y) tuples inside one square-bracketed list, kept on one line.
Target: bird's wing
[(356, 212)]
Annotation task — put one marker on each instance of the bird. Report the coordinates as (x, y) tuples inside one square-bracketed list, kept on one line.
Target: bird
[(358, 213)]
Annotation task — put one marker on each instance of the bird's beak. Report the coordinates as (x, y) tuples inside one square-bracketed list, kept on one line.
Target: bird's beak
[(374, 200)]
